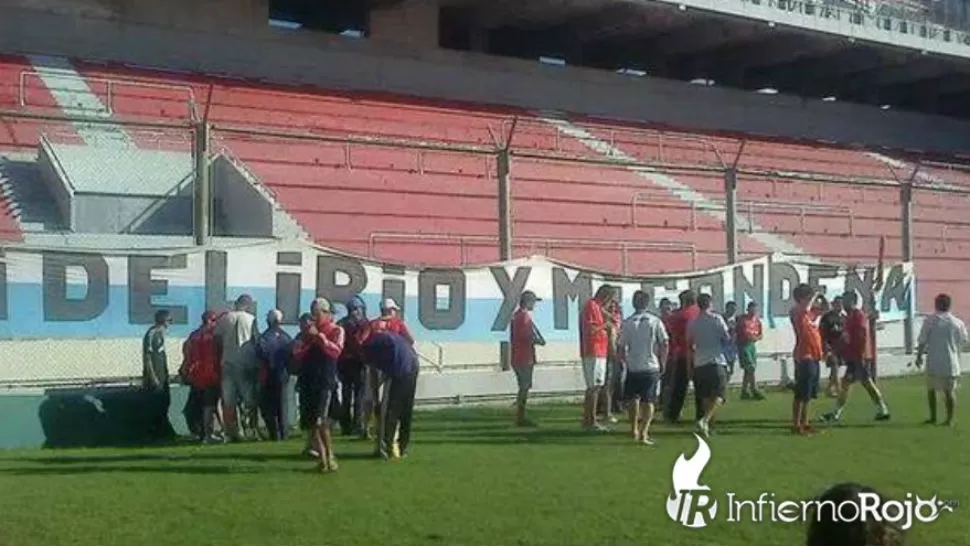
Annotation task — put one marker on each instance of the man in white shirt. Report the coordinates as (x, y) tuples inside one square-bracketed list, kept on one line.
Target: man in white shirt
[(235, 333), (941, 338), (642, 349), (707, 335)]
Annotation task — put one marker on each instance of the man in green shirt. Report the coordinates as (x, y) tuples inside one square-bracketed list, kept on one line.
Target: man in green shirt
[(155, 376)]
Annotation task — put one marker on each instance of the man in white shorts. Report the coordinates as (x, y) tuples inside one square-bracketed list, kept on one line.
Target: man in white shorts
[(594, 340), (941, 338)]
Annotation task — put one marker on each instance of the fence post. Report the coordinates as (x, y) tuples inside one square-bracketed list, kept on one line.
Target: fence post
[(731, 212), (203, 195), (906, 202), (504, 205), (504, 165)]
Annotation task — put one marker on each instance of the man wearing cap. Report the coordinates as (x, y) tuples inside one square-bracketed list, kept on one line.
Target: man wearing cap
[(350, 367), (523, 338), (271, 348), (398, 363), (389, 321), (318, 349), (236, 331)]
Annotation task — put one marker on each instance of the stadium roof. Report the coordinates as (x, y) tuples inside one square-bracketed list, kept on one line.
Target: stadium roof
[(884, 58)]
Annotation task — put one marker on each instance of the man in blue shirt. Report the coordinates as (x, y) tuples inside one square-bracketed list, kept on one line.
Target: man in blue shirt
[(272, 347), (395, 358)]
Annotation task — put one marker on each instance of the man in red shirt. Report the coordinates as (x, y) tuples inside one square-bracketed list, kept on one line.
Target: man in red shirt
[(523, 338), (856, 349), (200, 369), (594, 339), (680, 354), (807, 354), (749, 332)]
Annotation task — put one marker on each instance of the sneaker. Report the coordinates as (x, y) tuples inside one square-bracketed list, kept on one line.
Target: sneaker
[(882, 416), (929, 422), (613, 419), (809, 429), (703, 429), (312, 453), (332, 464), (757, 395), (648, 441), (830, 417)]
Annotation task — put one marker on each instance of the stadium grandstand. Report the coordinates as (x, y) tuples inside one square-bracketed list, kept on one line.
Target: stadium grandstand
[(628, 138)]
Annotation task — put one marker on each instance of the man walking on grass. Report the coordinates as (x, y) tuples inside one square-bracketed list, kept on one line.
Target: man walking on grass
[(857, 355), (941, 339), (200, 368), (706, 335), (749, 333), (318, 348), (523, 338), (642, 347)]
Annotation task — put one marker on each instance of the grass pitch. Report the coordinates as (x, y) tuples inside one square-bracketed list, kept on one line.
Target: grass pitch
[(472, 479)]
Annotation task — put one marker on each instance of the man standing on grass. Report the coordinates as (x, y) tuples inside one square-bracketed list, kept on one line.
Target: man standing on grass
[(749, 333), (318, 349), (350, 368), (397, 361), (236, 332), (642, 347), (941, 338), (857, 355), (201, 370), (594, 336), (155, 377), (389, 321), (706, 335), (523, 338), (731, 345), (272, 348), (806, 354), (680, 371), (832, 325)]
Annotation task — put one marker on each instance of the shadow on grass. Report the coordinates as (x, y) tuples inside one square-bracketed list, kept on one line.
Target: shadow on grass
[(214, 455)]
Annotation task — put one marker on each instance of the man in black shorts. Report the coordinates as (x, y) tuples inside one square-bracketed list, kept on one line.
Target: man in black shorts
[(831, 326), (707, 334)]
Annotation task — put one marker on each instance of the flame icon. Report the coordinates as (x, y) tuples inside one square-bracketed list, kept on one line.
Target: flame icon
[(690, 504)]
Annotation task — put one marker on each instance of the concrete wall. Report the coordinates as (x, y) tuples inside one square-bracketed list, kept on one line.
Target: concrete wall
[(99, 213), (334, 62), (54, 179), (240, 210)]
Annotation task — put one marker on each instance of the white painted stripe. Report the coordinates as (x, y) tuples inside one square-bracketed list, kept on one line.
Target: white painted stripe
[(75, 97), (679, 189), (923, 176)]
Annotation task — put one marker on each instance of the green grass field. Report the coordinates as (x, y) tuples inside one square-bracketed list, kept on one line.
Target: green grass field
[(472, 479)]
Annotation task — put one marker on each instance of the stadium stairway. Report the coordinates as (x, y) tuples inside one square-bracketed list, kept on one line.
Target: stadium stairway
[(439, 208)]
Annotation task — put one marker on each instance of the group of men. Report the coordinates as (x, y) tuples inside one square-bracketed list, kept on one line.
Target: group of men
[(341, 369), (653, 358)]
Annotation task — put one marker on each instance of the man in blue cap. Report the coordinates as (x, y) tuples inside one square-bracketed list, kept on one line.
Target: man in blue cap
[(350, 367)]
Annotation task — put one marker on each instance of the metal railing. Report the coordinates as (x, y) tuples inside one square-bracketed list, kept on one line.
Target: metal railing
[(110, 85), (885, 16), (545, 244), (719, 206)]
